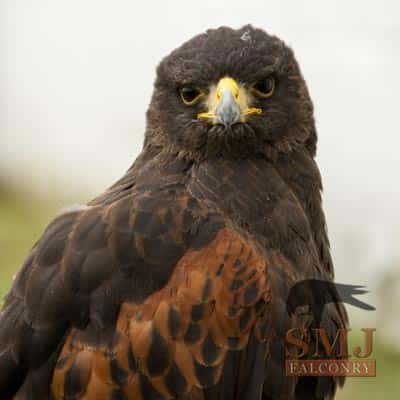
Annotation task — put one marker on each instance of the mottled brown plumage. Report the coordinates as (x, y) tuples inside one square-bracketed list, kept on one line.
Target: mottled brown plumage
[(172, 284)]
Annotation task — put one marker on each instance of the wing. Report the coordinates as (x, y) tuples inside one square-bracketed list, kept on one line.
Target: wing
[(85, 265), (182, 340), (150, 294), (288, 289)]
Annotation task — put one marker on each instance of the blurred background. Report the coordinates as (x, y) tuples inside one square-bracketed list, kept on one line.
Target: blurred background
[(75, 81)]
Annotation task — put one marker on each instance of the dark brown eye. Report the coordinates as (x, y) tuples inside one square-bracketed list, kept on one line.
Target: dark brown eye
[(264, 88), (190, 95)]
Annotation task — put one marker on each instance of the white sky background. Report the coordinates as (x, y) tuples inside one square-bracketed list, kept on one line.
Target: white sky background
[(76, 79)]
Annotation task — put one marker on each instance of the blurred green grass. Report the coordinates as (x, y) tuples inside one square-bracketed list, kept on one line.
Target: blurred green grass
[(23, 219), (386, 384)]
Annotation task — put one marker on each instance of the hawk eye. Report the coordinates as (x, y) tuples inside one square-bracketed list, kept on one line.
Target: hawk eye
[(190, 95), (264, 88)]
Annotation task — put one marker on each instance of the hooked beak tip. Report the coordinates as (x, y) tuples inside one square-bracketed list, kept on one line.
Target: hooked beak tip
[(228, 111)]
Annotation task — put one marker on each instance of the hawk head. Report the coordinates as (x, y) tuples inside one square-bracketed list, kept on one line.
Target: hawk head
[(235, 93)]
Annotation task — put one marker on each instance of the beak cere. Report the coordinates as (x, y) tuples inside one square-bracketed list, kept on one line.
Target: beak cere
[(227, 104)]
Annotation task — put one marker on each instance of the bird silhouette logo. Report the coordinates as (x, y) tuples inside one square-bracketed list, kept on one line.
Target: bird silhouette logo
[(316, 294)]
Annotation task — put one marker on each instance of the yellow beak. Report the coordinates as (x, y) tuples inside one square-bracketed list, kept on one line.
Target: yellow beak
[(228, 104)]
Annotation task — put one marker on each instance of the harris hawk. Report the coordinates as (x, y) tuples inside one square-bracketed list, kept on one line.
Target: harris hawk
[(173, 283)]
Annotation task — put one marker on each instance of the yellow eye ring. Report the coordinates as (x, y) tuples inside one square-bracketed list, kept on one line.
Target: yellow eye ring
[(264, 88), (190, 95)]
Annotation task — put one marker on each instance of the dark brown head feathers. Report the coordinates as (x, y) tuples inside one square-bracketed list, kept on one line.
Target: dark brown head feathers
[(247, 55)]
